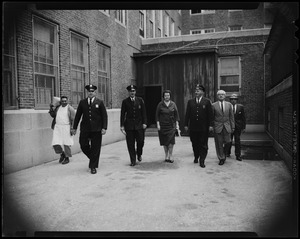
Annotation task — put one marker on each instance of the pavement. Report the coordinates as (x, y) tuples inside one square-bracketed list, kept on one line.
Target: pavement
[(250, 196)]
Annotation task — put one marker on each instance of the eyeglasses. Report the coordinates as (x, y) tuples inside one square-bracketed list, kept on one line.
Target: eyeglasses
[(92, 91)]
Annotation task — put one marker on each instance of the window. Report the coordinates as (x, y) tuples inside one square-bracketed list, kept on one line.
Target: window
[(229, 74), (79, 67), (179, 31), (235, 28), (152, 23), (193, 12), (9, 82), (121, 17), (202, 31), (166, 26), (106, 12), (159, 21), (172, 28), (45, 62), (268, 25), (103, 71), (280, 125), (142, 23)]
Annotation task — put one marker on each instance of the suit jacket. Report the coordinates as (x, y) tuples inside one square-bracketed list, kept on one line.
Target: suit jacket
[(240, 117), (92, 120), (225, 119), (133, 115), (199, 116)]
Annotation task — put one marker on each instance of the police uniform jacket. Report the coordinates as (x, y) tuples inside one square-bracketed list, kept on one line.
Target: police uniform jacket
[(133, 114), (239, 117), (199, 116), (94, 117)]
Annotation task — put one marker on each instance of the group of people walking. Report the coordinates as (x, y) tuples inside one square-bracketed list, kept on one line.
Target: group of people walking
[(225, 119)]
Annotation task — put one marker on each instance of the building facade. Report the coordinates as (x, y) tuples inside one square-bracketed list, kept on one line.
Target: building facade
[(55, 52), (282, 98), (49, 52)]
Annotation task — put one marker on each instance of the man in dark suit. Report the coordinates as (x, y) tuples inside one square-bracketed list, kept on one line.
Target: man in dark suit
[(198, 120), (223, 125), (93, 125), (240, 125), (133, 123)]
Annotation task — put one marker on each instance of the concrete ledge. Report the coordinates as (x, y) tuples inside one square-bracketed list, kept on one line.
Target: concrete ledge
[(28, 136)]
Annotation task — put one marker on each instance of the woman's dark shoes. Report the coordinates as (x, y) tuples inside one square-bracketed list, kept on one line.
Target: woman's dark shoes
[(221, 162), (238, 158), (195, 160), (65, 161), (62, 156), (132, 164), (93, 171), (202, 165)]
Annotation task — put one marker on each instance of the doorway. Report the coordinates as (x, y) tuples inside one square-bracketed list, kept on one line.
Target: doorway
[(152, 98)]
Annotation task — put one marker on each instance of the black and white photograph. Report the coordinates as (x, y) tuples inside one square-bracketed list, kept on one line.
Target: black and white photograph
[(126, 119)]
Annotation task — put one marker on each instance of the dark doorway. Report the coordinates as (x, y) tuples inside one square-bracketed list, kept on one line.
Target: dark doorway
[(152, 98)]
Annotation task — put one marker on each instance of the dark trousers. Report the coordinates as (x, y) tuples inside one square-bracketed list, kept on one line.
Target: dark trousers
[(90, 144), (59, 150), (237, 143), (132, 137), (200, 144)]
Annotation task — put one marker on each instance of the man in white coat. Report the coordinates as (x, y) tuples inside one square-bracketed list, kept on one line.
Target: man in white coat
[(63, 116), (223, 125)]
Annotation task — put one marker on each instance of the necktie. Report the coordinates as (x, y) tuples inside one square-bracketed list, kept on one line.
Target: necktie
[(90, 103), (222, 107)]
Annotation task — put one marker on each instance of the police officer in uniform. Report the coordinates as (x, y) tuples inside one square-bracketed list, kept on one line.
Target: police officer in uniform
[(93, 125), (133, 122), (199, 121)]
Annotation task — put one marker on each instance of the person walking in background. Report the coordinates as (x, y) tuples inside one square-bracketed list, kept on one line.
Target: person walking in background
[(223, 125), (167, 118), (62, 140), (199, 121), (93, 125), (240, 125), (133, 122)]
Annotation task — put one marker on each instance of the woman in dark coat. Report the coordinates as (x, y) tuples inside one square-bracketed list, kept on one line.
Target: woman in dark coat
[(167, 119)]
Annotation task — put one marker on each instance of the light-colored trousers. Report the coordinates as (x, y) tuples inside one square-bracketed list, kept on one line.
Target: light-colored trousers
[(222, 141)]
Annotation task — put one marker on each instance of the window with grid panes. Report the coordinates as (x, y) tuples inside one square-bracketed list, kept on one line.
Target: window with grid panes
[(229, 70), (103, 71), (79, 67), (142, 23), (45, 62), (166, 26), (159, 21), (9, 80), (151, 23), (121, 16)]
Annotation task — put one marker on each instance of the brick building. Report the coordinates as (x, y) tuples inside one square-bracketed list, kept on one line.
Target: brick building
[(282, 98), (52, 52)]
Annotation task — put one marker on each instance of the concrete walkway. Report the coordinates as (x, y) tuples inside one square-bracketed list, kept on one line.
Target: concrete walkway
[(153, 196)]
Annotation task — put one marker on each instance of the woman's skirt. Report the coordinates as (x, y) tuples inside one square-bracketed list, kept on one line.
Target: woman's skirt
[(166, 135)]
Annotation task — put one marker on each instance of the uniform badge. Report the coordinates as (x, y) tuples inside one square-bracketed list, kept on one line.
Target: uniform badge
[(140, 107), (97, 106), (203, 106)]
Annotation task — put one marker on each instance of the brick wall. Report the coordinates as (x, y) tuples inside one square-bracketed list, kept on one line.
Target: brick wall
[(98, 28), (273, 103)]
